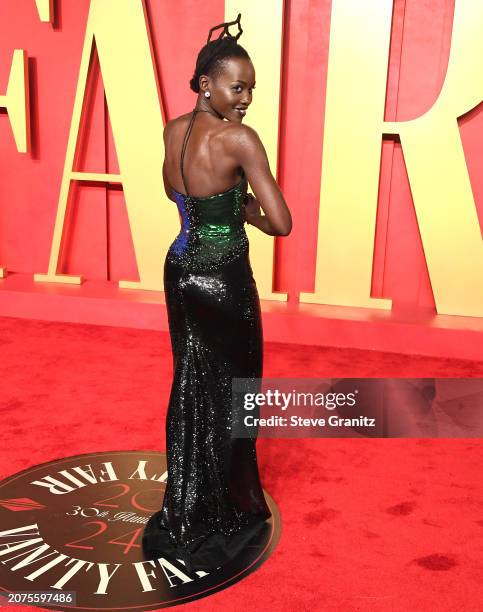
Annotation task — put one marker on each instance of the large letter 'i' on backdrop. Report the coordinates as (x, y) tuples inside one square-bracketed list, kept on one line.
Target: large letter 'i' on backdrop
[(263, 37)]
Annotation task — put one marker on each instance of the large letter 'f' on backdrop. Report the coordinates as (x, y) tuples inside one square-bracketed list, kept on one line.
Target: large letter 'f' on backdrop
[(16, 101)]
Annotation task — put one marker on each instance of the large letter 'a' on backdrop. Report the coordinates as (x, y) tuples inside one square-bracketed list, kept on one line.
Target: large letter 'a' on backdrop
[(137, 125)]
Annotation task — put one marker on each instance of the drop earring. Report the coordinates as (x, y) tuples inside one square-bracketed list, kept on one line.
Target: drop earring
[(207, 94)]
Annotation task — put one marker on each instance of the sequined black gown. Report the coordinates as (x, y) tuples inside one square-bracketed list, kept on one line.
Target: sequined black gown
[(213, 503)]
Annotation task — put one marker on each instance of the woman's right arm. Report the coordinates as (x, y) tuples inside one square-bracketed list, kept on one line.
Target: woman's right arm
[(248, 150)]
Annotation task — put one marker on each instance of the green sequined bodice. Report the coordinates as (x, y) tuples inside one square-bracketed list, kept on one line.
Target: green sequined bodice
[(212, 228)]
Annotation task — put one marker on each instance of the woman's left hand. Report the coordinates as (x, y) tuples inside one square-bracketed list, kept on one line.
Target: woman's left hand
[(251, 208)]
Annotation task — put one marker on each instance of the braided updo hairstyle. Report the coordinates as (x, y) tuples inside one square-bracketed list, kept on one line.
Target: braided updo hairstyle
[(210, 58)]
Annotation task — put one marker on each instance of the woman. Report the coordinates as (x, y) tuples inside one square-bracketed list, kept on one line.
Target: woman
[(213, 502)]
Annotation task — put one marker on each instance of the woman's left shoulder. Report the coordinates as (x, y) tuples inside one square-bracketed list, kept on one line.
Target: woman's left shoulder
[(239, 134)]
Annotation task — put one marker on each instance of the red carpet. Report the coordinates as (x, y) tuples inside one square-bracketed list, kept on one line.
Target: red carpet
[(379, 524)]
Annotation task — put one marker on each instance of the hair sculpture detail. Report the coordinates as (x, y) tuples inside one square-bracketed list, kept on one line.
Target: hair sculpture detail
[(211, 56)]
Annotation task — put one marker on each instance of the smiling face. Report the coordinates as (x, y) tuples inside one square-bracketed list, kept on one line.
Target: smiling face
[(231, 89)]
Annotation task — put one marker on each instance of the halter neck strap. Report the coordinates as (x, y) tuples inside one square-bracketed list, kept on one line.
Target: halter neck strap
[(183, 149), (185, 142)]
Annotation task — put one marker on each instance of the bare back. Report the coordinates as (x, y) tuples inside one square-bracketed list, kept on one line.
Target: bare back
[(208, 166)]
